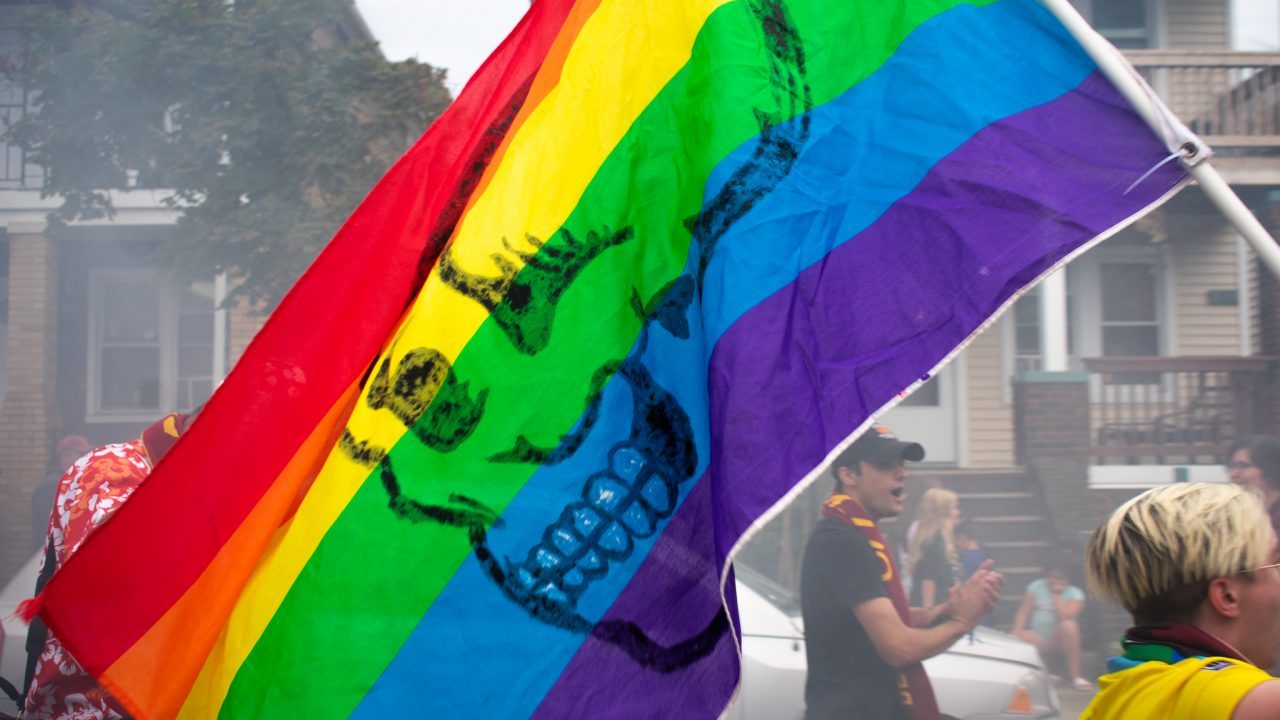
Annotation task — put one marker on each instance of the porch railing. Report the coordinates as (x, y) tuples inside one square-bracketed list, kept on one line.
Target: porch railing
[(1231, 99), (1177, 410)]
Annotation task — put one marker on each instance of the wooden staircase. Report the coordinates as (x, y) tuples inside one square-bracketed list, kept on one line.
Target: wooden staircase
[(1010, 520)]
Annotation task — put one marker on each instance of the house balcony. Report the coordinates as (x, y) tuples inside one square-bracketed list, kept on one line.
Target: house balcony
[(1230, 99), (1171, 411)]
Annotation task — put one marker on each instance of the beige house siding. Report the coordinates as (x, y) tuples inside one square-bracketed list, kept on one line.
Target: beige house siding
[(28, 420), (1203, 258), (1251, 296), (1196, 24), (989, 415)]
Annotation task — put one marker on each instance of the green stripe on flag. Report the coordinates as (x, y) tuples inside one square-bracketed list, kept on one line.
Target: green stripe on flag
[(375, 575)]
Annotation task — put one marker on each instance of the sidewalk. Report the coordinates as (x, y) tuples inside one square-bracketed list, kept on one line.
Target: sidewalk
[(1073, 702)]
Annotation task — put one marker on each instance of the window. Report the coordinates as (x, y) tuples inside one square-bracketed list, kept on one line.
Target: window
[(13, 99), (1022, 340), (927, 395), (1116, 306), (1126, 23), (151, 345), (1120, 298), (1130, 320), (1130, 326)]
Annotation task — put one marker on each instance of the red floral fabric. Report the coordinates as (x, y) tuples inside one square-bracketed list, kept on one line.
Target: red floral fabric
[(90, 490)]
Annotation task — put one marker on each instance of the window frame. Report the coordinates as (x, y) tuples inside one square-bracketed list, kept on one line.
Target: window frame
[(168, 342), (1084, 313), (1088, 297), (1153, 33)]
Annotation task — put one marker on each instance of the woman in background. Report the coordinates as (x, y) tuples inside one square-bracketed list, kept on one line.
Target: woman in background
[(932, 561), (1255, 462)]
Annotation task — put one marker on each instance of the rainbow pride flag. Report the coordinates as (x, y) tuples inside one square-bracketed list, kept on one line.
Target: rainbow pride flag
[(492, 455)]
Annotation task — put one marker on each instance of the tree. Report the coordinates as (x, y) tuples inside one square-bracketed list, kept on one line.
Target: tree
[(269, 120)]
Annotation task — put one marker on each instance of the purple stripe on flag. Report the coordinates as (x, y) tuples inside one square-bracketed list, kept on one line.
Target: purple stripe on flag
[(801, 370), (601, 681)]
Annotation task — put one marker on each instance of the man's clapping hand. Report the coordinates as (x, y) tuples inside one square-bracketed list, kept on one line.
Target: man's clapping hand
[(975, 597)]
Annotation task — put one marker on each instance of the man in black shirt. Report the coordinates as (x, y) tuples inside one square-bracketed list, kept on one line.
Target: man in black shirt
[(864, 644)]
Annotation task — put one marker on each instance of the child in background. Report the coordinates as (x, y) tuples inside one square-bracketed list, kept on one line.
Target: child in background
[(971, 555), (969, 550)]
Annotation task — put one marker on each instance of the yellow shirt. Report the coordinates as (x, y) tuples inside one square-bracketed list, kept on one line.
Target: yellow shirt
[(1193, 689)]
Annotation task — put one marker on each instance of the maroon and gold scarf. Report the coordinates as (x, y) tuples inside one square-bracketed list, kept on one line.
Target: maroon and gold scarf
[(913, 684), (161, 435)]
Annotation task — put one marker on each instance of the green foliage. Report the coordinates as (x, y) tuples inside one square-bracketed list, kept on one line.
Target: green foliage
[(266, 120)]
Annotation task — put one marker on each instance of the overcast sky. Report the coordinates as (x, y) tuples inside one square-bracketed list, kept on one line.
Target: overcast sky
[(456, 35), (460, 34)]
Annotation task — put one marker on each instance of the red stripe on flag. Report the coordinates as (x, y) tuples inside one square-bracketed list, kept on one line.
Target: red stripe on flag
[(321, 339)]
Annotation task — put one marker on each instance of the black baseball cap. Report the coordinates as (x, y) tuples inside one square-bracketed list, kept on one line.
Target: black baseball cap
[(880, 446)]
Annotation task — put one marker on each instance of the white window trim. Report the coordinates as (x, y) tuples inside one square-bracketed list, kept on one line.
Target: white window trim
[(93, 413), (1085, 296), (169, 312), (1009, 341), (1089, 286)]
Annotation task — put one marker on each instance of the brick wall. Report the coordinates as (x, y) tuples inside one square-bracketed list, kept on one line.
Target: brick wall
[(28, 418), (1051, 412)]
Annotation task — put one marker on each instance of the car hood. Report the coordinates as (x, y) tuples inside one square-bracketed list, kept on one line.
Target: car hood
[(983, 642), (987, 643), (778, 616)]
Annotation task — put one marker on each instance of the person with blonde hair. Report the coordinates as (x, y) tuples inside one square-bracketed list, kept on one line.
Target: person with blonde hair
[(1196, 565), (932, 560)]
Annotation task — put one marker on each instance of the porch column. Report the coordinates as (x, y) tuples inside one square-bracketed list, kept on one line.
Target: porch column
[(28, 417), (1053, 321)]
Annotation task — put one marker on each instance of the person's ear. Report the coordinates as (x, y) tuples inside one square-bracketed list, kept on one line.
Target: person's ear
[(1224, 596), (848, 478)]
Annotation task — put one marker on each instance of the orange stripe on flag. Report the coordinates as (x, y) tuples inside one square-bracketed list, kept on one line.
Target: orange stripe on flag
[(152, 678), (547, 78)]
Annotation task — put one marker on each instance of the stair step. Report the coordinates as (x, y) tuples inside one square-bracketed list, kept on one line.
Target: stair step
[(966, 481), (1022, 570), (949, 473), (1015, 553), (1014, 495), (991, 504), (1009, 528)]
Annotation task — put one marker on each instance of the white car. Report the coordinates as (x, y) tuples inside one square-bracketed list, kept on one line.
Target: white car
[(991, 676), (986, 676), (13, 643)]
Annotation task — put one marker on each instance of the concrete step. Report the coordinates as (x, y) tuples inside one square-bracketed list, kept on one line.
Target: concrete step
[(980, 504), (998, 528), (1015, 553), (972, 481)]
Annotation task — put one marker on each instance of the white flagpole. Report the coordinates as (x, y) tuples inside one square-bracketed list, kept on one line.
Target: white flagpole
[(1126, 80)]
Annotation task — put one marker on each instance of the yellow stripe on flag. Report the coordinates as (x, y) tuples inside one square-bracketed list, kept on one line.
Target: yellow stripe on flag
[(624, 55)]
